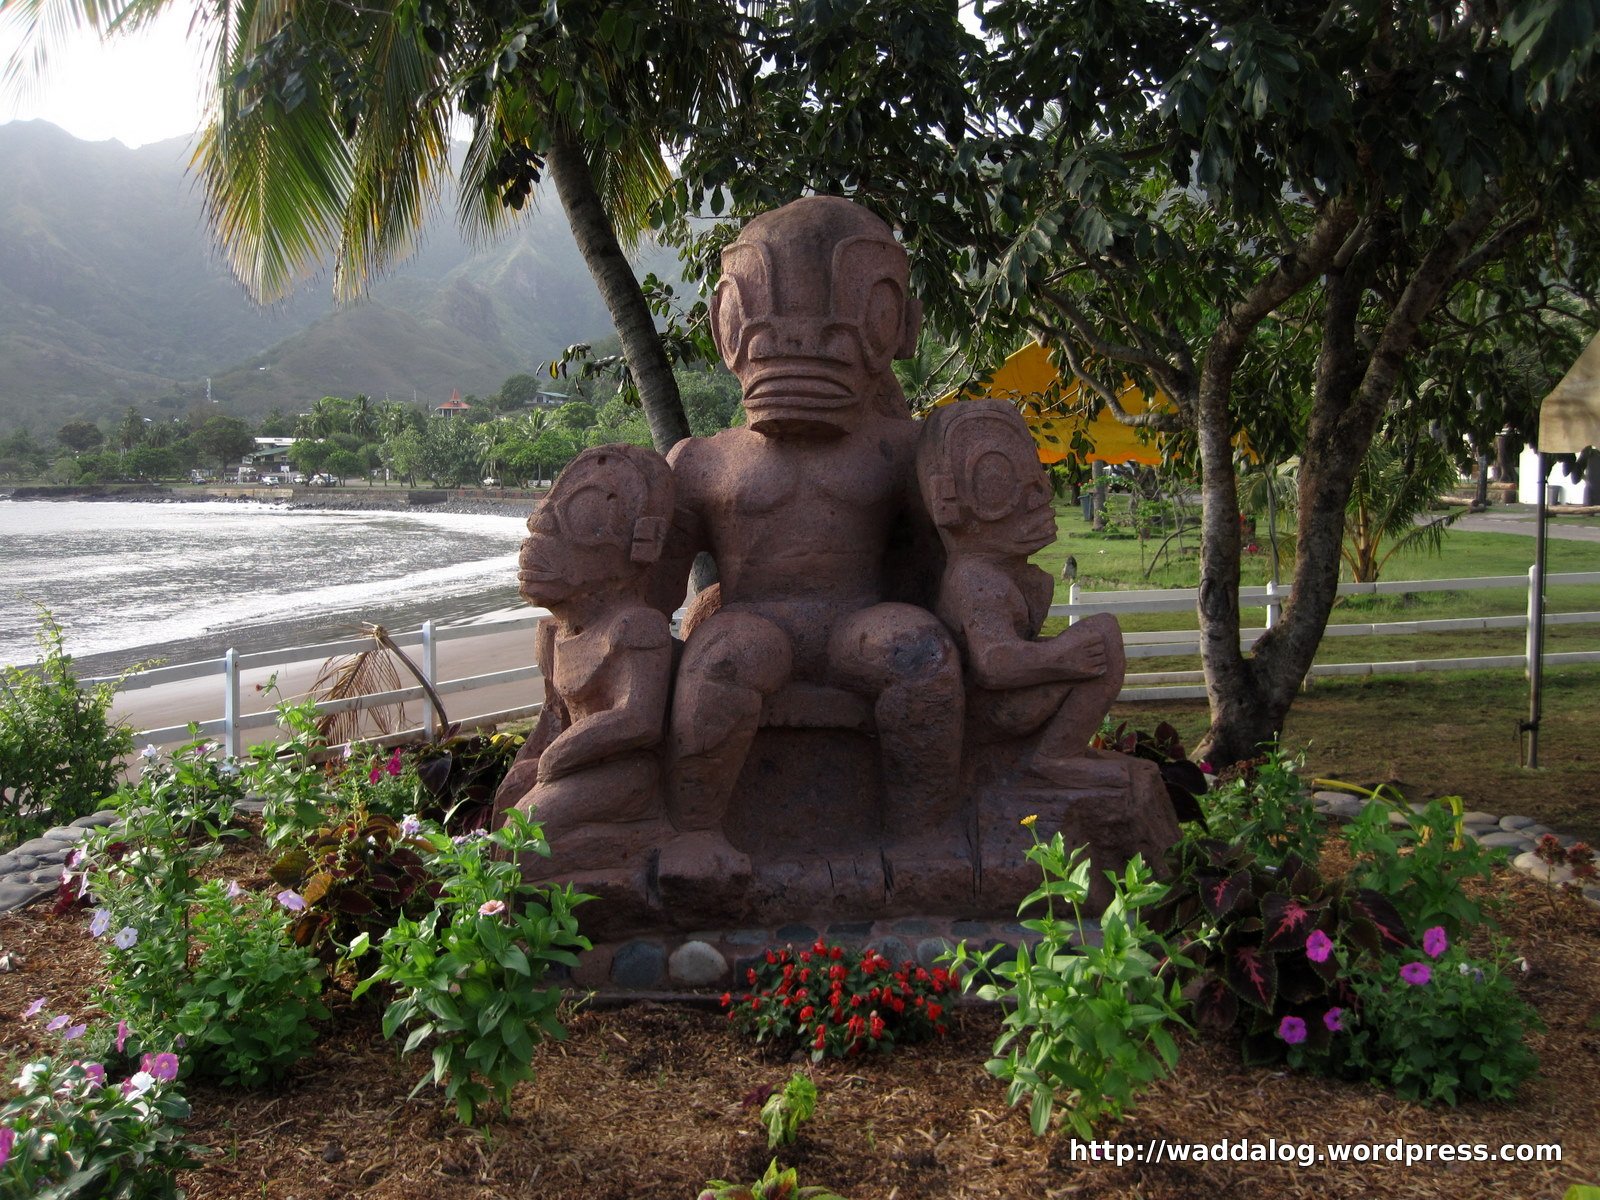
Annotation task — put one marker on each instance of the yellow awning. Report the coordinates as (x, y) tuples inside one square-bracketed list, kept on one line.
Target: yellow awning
[(1029, 374)]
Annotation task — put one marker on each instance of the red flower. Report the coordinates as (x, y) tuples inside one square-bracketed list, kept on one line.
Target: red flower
[(934, 1011), (877, 1026), (727, 999), (807, 1013)]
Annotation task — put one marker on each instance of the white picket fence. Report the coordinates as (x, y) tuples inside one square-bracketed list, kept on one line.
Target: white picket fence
[(1152, 685)]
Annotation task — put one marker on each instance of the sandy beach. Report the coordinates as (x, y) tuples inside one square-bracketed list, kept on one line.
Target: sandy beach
[(202, 699)]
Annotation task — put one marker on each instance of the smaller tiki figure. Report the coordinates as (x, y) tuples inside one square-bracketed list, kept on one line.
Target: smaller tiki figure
[(605, 653), (990, 498)]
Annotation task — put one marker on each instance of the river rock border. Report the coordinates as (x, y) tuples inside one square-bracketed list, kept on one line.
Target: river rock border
[(1516, 835)]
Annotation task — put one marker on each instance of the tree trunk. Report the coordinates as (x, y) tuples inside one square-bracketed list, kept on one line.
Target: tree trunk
[(1097, 470), (619, 288)]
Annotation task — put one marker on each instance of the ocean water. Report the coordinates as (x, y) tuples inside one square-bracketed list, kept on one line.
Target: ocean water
[(134, 581)]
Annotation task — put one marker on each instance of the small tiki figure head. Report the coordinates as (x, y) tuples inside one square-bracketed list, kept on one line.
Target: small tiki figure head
[(811, 309), (601, 527), (981, 478)]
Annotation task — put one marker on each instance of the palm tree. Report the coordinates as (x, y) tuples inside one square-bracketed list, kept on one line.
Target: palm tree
[(328, 132)]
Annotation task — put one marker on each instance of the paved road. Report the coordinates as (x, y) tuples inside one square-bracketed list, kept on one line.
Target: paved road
[(1522, 519)]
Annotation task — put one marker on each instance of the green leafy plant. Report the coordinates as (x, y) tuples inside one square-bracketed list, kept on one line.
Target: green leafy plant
[(1441, 1026), (1085, 1024), (59, 748), (787, 1108), (1266, 942), (774, 1185), (1422, 862), (839, 1004), (69, 1132), (1263, 805), (359, 876), (466, 976)]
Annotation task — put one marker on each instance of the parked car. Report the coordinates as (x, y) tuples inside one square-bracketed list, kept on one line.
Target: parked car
[(298, 477), (491, 482)]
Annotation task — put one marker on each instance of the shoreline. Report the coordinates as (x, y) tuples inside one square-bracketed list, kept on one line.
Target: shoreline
[(471, 502)]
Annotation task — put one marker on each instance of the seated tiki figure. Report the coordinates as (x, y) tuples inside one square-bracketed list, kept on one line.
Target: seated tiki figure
[(589, 773), (989, 496)]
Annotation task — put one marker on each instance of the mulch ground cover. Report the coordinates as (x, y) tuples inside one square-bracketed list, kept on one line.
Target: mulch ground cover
[(648, 1101)]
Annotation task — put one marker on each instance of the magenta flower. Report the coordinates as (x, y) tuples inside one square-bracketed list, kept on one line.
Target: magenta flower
[(76, 1032), (1434, 942), (8, 1136), (162, 1067), (1416, 974), (33, 1009), (122, 1035), (492, 908), (1292, 1030), (1318, 946), (96, 1073), (60, 1022), (393, 765), (1334, 1020), (374, 775), (293, 901)]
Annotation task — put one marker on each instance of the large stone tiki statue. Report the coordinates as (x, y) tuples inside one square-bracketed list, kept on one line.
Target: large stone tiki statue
[(861, 710)]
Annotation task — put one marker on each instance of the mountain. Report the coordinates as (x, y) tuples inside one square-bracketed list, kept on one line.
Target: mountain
[(111, 293)]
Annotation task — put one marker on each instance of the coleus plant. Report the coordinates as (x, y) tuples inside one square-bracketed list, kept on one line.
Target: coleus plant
[(1271, 942), (1185, 780)]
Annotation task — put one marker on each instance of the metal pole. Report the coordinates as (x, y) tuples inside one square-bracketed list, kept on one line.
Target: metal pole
[(230, 703), (430, 672), (1536, 620)]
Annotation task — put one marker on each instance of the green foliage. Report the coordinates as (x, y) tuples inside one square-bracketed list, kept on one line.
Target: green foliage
[(837, 1004), (1422, 863), (58, 745), (774, 1185), (1085, 1024), (1263, 806), (1457, 1034), (466, 976), (79, 1136), (787, 1109), (223, 440)]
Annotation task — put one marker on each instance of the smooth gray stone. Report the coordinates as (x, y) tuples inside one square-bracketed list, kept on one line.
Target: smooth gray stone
[(1535, 831), (930, 949), (106, 816), (1346, 808), (1514, 822), (65, 833), (1475, 817), (15, 864), (696, 964), (1398, 818), (639, 965), (1534, 865), (895, 950), (49, 877), (1504, 841), (14, 895), (44, 848), (1592, 893)]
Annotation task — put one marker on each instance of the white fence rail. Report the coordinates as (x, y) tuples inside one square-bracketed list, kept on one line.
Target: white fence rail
[(422, 646)]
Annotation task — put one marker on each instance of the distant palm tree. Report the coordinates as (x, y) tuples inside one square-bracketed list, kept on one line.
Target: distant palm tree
[(329, 129)]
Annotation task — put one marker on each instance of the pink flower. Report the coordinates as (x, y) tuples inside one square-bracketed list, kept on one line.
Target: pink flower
[(161, 1067), (33, 1009), (1434, 942), (122, 1035), (1292, 1030), (492, 908), (1333, 1020), (293, 901), (1416, 974), (8, 1136), (393, 765), (96, 1074), (1318, 946), (374, 775)]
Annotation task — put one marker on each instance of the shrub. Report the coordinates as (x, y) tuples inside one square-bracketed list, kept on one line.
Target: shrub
[(1184, 780), (58, 746), (1084, 1025), (1422, 863), (68, 1132), (839, 1004), (466, 975), (1264, 807)]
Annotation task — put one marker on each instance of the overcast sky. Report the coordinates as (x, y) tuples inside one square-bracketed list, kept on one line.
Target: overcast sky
[(136, 88)]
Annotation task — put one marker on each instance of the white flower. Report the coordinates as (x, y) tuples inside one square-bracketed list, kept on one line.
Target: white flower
[(410, 826), (228, 769), (150, 753), (126, 937), (137, 1084)]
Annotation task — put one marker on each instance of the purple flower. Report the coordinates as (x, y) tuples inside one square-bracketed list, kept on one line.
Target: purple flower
[(1318, 946), (96, 1074), (126, 937), (60, 1022), (293, 901), (1434, 942), (7, 1137), (1292, 1030), (76, 1032), (100, 922), (234, 890), (33, 1009), (411, 826), (122, 1035), (1334, 1020), (1416, 974), (162, 1067)]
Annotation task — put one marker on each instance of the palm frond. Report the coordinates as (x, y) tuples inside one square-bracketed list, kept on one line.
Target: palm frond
[(365, 673)]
